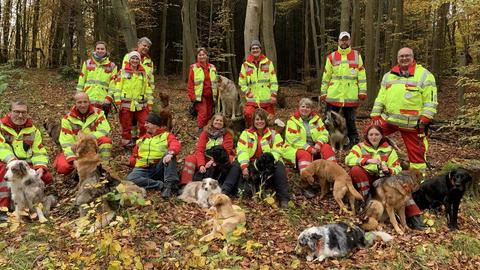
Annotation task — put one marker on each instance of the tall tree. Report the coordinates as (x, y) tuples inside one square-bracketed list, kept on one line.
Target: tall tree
[(345, 15), (18, 30), (163, 35), (315, 40), (398, 29), (252, 23), (36, 14), (356, 32), (439, 40), (80, 27), (267, 31), (127, 22), (190, 35), (6, 30), (370, 51)]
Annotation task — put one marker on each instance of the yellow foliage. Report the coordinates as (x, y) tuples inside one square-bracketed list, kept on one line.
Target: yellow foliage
[(114, 265)]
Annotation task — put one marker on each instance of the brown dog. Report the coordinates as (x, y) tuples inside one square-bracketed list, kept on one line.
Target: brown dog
[(226, 216), (325, 171), (392, 194)]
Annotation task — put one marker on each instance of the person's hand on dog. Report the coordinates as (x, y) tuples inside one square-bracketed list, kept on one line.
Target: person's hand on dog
[(167, 158), (202, 169), (40, 172), (245, 172), (209, 164)]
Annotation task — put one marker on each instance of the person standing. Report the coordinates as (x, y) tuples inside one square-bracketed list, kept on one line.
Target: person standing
[(344, 83), (407, 102), (258, 80), (97, 78), (202, 87), (143, 48)]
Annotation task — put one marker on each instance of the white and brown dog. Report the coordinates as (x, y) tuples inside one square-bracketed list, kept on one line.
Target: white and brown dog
[(198, 191), (229, 96), (28, 190)]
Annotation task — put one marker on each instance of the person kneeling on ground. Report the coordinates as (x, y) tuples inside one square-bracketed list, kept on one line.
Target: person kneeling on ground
[(154, 156)]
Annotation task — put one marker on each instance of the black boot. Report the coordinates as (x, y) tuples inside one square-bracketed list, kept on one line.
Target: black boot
[(416, 223), (309, 193), (167, 191), (3, 217)]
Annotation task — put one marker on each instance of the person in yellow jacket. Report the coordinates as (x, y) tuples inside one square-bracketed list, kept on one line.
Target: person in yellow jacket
[(153, 158), (97, 78), (344, 83), (253, 142), (258, 80), (375, 158), (143, 48), (133, 96), (88, 119), (20, 139), (407, 102)]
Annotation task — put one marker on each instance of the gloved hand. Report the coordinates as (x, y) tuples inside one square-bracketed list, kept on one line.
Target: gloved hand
[(422, 124)]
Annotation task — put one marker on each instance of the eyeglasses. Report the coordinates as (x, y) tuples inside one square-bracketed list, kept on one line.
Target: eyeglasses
[(20, 112)]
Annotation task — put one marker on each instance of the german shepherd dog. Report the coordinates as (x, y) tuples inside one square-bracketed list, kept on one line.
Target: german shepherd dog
[(260, 171), (337, 130), (335, 240), (28, 190), (222, 165), (229, 97), (447, 190), (392, 194)]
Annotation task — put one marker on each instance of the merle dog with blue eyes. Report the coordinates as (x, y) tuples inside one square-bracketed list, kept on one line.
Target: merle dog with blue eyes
[(447, 190)]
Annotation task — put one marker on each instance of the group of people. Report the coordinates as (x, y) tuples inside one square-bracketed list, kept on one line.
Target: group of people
[(406, 102)]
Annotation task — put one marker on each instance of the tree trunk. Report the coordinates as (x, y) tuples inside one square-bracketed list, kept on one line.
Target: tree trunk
[(306, 55), (189, 21), (323, 37), (378, 27), (252, 23), (68, 33), (25, 29), (398, 29), (99, 21), (228, 6), (439, 40), (56, 36), (345, 16), (163, 38), (356, 32), (127, 22), (370, 52), (82, 48), (18, 29), (36, 13), (315, 38), (6, 31), (267, 31)]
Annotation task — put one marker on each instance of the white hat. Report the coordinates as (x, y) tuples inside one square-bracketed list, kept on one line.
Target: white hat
[(132, 54), (343, 34)]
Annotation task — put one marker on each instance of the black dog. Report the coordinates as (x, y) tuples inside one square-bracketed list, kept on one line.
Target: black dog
[(260, 171), (447, 190), (221, 168)]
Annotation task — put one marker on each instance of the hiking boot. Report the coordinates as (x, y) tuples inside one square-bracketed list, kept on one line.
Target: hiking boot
[(167, 192), (308, 193), (283, 204), (416, 223)]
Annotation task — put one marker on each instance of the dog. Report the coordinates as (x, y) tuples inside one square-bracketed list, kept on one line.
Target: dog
[(221, 168), (392, 194), (337, 130), (95, 182), (260, 171), (335, 240), (324, 171), (447, 190), (226, 216), (229, 96), (28, 190), (53, 129), (198, 192)]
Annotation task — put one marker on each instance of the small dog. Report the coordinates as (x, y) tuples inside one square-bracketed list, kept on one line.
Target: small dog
[(392, 194), (447, 190), (335, 240), (324, 171), (337, 129), (53, 129), (260, 171), (28, 190), (229, 96), (198, 192), (226, 216)]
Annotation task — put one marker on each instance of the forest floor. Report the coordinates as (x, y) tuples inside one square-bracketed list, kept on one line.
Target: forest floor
[(164, 234)]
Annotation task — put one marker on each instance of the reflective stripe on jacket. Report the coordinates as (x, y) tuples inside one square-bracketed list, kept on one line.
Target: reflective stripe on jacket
[(25, 144), (259, 84), (199, 77), (248, 141), (147, 64), (95, 123), (150, 149), (344, 81), (132, 89), (363, 151), (402, 100), (97, 79)]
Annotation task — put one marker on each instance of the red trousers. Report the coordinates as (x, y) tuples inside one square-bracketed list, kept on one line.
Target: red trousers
[(5, 189), (363, 180), (62, 166), (250, 109), (204, 110), (304, 158), (126, 119), (189, 168), (416, 146)]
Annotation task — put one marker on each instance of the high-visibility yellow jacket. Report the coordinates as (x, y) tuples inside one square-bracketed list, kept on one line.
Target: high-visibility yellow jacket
[(403, 100), (344, 82), (147, 64), (25, 144), (364, 151), (296, 135), (93, 122), (97, 79), (133, 90), (248, 142), (150, 149), (258, 83), (198, 81)]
